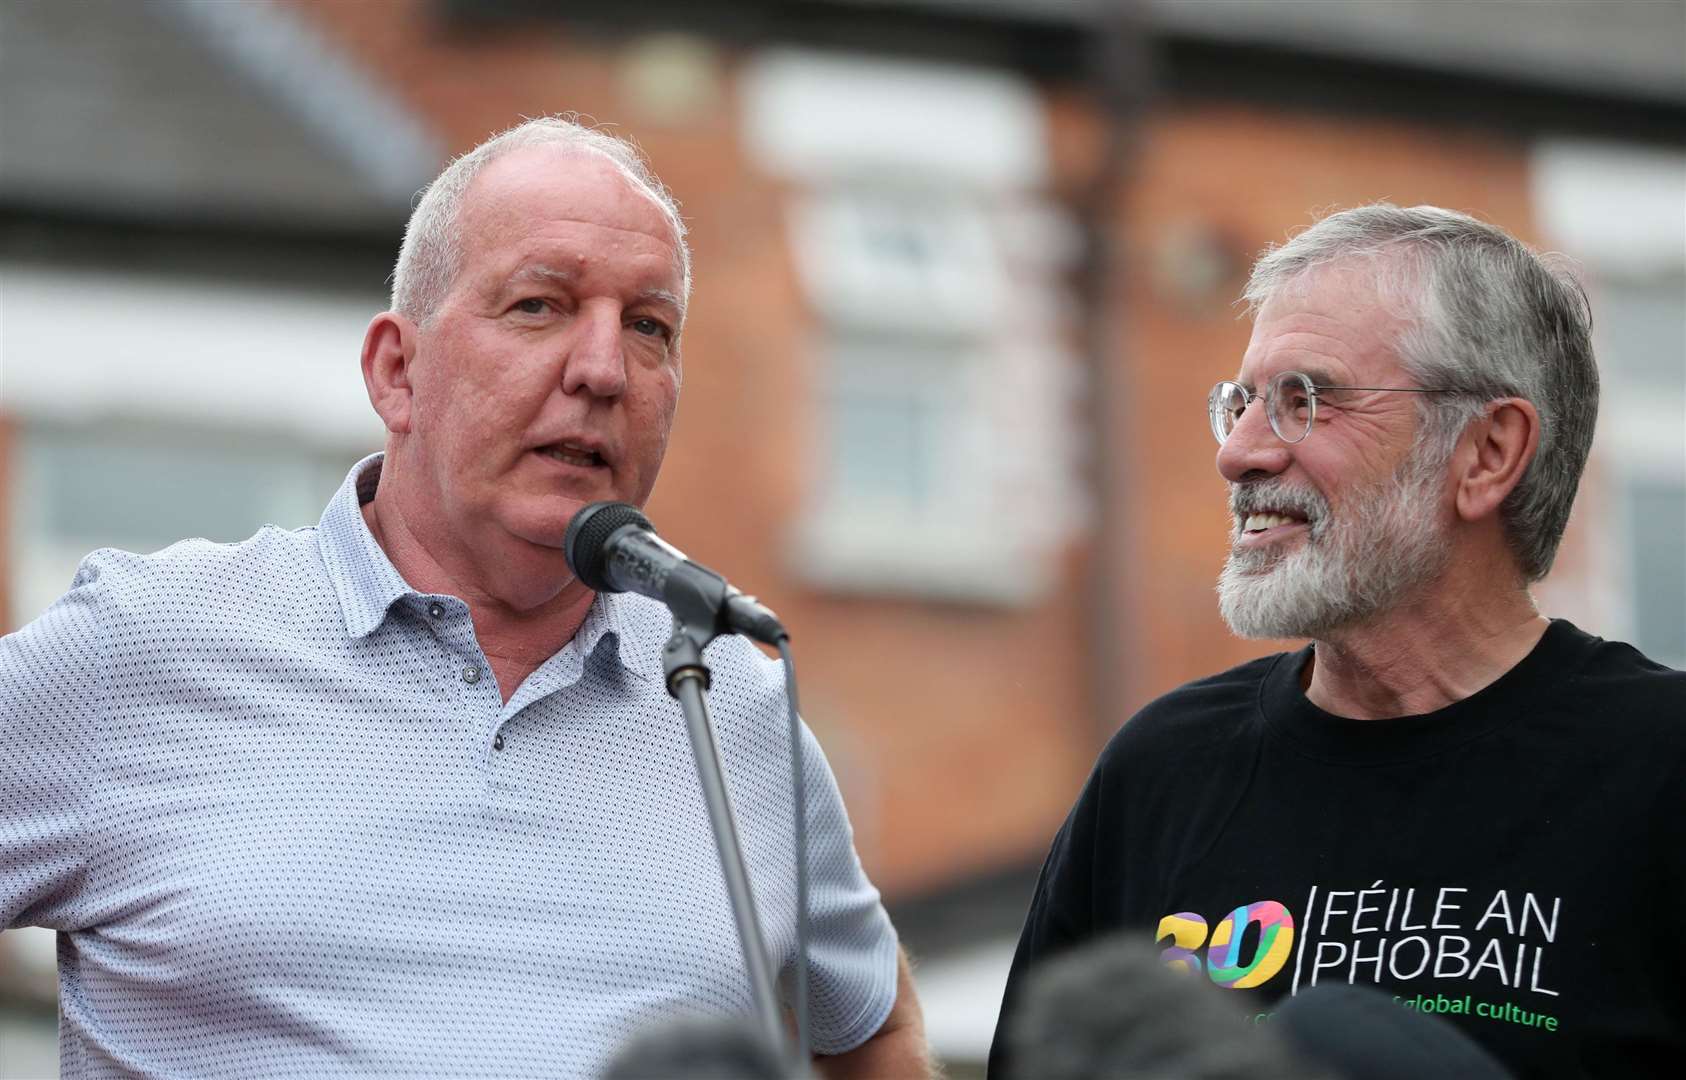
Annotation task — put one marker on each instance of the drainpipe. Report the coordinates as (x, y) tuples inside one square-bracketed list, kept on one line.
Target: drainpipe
[(1121, 59)]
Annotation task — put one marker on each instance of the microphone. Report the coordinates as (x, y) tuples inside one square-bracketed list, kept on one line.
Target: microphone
[(612, 547)]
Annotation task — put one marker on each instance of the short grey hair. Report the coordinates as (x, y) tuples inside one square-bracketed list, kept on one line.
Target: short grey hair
[(1485, 316), (432, 252)]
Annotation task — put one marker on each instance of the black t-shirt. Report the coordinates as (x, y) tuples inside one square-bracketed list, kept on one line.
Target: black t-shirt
[(1515, 862)]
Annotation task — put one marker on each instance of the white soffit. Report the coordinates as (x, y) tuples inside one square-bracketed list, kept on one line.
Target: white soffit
[(823, 116), (84, 346), (1630, 47), (1620, 208)]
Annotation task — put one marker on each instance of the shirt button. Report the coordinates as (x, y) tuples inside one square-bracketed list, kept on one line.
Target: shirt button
[(497, 741), (436, 609), (471, 675)]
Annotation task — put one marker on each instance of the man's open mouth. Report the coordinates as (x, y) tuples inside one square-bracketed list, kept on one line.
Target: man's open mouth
[(1262, 520), (569, 454)]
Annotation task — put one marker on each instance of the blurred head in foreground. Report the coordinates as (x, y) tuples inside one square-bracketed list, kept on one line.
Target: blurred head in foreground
[(1112, 1009), (1360, 1033), (702, 1049)]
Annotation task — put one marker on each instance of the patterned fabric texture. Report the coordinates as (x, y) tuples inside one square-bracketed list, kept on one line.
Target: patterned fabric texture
[(274, 805)]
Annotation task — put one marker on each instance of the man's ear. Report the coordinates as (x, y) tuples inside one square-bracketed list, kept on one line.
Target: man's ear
[(389, 346), (1495, 454)]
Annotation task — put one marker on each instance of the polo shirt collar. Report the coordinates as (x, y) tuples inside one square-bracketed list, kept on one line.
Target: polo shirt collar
[(367, 583), (637, 637), (363, 577)]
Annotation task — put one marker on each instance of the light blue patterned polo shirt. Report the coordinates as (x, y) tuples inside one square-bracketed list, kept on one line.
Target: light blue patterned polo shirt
[(271, 800)]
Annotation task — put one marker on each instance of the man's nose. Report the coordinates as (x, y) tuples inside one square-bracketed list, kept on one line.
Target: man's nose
[(1252, 448), (595, 363)]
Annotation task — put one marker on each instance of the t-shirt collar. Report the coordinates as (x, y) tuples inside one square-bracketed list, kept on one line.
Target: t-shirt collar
[(1325, 736)]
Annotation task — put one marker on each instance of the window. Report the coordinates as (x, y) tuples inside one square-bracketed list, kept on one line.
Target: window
[(942, 459), (142, 487), (1656, 519), (902, 259), (1640, 330), (156, 421), (1619, 210)]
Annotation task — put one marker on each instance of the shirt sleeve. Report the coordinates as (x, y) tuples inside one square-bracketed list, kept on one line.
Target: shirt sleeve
[(52, 681), (1061, 911), (851, 946)]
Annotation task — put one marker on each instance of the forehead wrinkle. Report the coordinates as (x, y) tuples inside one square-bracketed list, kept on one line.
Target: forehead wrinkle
[(1318, 348)]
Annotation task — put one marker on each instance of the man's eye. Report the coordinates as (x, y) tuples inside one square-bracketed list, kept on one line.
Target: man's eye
[(649, 327), (531, 306)]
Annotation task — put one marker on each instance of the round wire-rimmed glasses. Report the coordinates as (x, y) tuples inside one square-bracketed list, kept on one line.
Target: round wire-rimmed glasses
[(1290, 404)]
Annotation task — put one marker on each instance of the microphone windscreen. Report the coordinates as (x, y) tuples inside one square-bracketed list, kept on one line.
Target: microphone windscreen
[(585, 544), (1361, 1032), (702, 1049), (1113, 1009)]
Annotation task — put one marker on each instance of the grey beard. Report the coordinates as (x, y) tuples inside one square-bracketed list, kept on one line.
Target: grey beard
[(1388, 541)]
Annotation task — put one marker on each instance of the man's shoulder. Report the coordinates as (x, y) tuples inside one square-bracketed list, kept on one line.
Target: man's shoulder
[(1196, 715), (1609, 661), (202, 573), (1615, 684), (737, 666)]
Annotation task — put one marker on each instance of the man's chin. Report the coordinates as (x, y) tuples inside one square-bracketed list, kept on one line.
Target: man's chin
[(543, 521), (1247, 624), (1267, 602)]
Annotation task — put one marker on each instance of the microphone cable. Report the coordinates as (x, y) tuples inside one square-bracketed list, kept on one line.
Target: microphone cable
[(798, 788)]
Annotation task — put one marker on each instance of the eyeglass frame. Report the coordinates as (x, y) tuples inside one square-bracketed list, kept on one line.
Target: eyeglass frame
[(1312, 388)]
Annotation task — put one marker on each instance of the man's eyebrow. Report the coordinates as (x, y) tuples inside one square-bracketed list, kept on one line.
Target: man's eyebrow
[(540, 272), (1319, 375), (662, 296)]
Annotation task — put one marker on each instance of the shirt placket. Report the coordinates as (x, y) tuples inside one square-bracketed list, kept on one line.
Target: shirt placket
[(466, 667)]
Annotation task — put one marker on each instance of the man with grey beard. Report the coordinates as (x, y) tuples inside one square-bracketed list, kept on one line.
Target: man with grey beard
[(1446, 794)]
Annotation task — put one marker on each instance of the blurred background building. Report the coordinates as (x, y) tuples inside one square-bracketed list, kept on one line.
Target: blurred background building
[(966, 270)]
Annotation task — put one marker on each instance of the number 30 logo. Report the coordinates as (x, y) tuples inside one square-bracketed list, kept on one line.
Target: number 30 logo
[(1187, 933)]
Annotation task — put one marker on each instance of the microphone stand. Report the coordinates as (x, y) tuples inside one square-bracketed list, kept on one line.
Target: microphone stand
[(694, 626)]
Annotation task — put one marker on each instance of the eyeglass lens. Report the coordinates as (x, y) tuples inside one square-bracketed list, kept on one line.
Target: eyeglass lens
[(1224, 406), (1289, 401), (1289, 406)]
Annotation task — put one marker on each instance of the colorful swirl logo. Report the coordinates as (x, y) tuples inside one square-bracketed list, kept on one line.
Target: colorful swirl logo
[(1187, 933)]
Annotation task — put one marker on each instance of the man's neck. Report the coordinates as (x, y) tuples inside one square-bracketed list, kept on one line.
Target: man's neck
[(1424, 655), (515, 639)]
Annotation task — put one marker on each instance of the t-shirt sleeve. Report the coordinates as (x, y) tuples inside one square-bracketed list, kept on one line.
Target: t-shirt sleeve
[(52, 679), (851, 945), (1061, 910)]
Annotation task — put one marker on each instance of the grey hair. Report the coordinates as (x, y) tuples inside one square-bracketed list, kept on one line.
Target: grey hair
[(1485, 316), (432, 252)]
